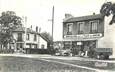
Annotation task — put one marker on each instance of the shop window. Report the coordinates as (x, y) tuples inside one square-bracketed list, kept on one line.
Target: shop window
[(67, 45), (81, 27), (69, 28), (28, 37), (93, 26)]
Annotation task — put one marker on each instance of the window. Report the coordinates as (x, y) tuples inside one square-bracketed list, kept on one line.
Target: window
[(42, 46), (35, 37), (81, 27), (19, 37), (28, 37), (93, 26), (69, 28)]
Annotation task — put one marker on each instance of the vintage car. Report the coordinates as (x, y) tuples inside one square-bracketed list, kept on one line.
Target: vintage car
[(65, 52), (103, 53)]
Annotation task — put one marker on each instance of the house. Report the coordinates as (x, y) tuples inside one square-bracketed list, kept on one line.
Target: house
[(27, 38), (108, 41), (82, 33)]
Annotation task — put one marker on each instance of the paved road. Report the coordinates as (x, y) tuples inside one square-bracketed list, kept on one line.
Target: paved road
[(23, 64), (57, 57), (69, 64)]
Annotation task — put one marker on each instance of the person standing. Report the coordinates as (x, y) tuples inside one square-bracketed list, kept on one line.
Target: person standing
[(86, 49)]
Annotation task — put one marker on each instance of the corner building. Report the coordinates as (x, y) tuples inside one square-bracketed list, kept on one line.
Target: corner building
[(82, 33)]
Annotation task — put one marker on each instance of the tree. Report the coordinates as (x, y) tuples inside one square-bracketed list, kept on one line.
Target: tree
[(50, 42), (107, 9), (47, 36), (8, 22)]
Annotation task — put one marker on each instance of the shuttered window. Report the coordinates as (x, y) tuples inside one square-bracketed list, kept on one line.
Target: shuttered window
[(69, 28), (81, 27), (94, 26)]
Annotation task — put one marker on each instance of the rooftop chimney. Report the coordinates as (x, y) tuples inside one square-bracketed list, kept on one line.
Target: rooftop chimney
[(68, 16), (39, 29), (31, 26), (93, 13), (36, 28)]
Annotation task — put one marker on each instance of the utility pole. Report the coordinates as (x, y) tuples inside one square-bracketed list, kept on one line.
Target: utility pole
[(52, 22), (25, 22)]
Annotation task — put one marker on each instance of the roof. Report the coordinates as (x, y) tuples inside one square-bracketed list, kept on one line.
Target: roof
[(22, 29), (82, 18), (44, 37), (29, 30)]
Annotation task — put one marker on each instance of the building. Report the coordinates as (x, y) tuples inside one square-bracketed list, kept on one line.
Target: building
[(82, 33), (108, 41), (27, 38)]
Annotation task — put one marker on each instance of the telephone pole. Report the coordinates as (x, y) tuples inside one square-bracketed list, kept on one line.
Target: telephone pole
[(52, 22)]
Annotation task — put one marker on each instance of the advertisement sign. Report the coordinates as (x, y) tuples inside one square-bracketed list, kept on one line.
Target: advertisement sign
[(84, 36)]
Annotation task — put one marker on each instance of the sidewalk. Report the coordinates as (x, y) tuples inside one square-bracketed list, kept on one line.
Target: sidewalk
[(57, 57), (81, 62)]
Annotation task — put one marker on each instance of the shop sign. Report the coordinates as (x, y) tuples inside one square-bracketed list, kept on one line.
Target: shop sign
[(79, 43), (84, 36)]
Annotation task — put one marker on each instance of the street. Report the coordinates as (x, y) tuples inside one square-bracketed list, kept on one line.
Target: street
[(46, 63)]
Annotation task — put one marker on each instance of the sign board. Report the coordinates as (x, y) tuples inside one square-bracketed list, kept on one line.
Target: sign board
[(79, 43), (84, 36)]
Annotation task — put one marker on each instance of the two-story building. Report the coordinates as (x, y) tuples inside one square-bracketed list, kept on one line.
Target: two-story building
[(27, 38), (82, 33)]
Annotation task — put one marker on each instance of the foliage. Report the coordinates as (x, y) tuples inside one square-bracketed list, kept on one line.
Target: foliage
[(47, 36), (8, 22), (107, 9), (50, 42)]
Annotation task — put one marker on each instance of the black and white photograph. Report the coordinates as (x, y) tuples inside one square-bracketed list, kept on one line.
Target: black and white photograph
[(57, 35)]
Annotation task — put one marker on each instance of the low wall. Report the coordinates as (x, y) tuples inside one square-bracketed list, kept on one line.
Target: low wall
[(37, 51)]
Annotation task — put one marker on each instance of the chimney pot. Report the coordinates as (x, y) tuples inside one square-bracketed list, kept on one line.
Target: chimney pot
[(36, 28), (93, 13)]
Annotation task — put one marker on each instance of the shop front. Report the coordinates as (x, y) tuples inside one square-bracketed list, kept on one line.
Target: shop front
[(83, 44), (79, 47)]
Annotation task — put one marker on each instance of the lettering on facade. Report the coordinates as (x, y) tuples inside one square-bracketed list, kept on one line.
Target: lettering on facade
[(84, 36)]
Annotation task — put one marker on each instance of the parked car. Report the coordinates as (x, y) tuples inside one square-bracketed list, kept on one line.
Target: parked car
[(103, 53), (65, 52)]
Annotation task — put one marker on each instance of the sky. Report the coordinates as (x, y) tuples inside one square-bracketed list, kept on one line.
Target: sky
[(39, 12)]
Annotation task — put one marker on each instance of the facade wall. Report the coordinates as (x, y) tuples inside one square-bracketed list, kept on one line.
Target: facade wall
[(31, 43), (31, 38), (43, 42), (85, 37), (15, 35), (86, 27), (108, 41)]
